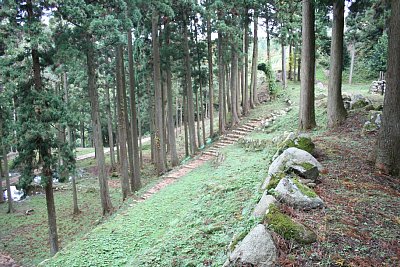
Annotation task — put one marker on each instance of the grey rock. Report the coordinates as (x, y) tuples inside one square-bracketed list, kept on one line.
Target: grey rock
[(263, 205), (288, 192), (256, 249), (359, 101), (293, 159)]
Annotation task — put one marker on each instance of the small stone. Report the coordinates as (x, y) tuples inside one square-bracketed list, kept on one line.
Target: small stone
[(263, 205), (256, 249)]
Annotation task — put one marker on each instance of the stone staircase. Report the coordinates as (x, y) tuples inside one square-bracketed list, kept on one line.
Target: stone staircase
[(232, 137), (229, 138)]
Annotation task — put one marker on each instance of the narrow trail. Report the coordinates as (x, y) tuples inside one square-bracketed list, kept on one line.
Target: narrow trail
[(229, 138)]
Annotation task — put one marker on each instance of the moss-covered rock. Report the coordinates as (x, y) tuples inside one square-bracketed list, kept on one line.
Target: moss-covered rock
[(304, 189), (283, 225), (275, 179)]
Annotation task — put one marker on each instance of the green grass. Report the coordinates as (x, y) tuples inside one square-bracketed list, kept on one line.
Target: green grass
[(83, 151), (186, 224), (25, 237)]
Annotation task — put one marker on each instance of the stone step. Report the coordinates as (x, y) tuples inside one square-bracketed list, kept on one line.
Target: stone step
[(234, 135), (247, 127), (219, 145), (228, 138), (226, 143), (214, 154), (242, 131)]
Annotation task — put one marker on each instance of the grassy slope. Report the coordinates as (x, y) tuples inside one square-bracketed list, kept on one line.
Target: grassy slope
[(188, 223)]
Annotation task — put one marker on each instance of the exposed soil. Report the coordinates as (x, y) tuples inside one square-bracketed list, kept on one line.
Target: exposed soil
[(7, 261), (360, 225)]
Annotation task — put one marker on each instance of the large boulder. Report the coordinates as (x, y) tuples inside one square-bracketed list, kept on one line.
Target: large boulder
[(289, 229), (263, 205), (256, 249), (292, 139), (359, 101), (295, 194), (294, 160)]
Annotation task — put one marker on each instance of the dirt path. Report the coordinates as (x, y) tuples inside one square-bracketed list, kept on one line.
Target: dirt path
[(229, 138)]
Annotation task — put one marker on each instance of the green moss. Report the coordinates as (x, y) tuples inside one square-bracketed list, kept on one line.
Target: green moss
[(275, 179), (304, 189), (283, 225), (307, 166)]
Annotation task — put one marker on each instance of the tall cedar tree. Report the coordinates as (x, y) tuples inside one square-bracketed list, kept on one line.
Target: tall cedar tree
[(388, 156), (307, 109), (336, 111)]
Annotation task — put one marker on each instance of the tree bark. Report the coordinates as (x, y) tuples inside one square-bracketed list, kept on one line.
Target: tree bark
[(159, 131), (98, 139), (254, 63), (210, 77), (109, 124), (307, 109), (221, 82), (246, 64), (336, 111), (6, 175), (290, 62), (170, 113), (234, 83), (189, 89), (140, 135), (71, 144), (132, 84), (294, 62), (122, 125), (353, 55), (283, 66), (388, 156)]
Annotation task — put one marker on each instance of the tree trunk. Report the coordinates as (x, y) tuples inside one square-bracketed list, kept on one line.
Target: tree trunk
[(109, 124), (268, 35), (82, 131), (71, 144), (228, 87), (221, 82), (290, 62), (140, 135), (189, 89), (336, 111), (234, 83), (294, 62), (353, 55), (185, 123), (114, 97), (298, 68), (170, 113), (307, 109), (197, 118), (246, 65), (210, 78), (254, 63), (98, 139), (388, 156), (7, 178), (159, 131), (283, 66), (136, 183), (122, 125)]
